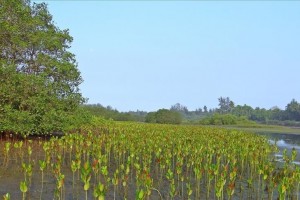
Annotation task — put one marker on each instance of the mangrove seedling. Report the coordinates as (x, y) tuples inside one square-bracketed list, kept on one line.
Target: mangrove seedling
[(23, 188)]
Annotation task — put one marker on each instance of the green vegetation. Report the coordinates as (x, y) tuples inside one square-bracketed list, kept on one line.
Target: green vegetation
[(39, 94), (39, 84), (39, 78), (153, 161), (274, 116), (226, 119), (110, 113), (233, 114), (241, 114), (164, 116), (261, 128)]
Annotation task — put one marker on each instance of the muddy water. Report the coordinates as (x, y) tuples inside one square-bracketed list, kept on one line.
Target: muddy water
[(12, 173)]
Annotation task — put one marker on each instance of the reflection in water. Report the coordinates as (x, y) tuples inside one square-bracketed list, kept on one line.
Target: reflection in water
[(284, 144), (285, 141)]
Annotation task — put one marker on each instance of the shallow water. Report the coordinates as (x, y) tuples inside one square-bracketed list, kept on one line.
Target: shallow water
[(285, 141)]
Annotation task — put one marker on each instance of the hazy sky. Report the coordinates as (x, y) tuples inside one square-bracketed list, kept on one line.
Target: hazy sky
[(149, 55)]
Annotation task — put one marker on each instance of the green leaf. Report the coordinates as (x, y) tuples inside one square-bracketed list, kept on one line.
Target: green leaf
[(86, 186), (23, 186), (141, 194)]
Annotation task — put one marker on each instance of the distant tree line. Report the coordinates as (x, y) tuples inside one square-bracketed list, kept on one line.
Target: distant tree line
[(226, 113), (290, 116), (226, 119), (109, 113)]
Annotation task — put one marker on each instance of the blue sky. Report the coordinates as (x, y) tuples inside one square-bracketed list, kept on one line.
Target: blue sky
[(149, 55)]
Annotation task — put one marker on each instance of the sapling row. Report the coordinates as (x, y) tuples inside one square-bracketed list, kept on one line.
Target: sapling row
[(130, 160)]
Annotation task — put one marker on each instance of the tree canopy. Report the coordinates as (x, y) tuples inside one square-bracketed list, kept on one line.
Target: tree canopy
[(164, 116), (39, 77)]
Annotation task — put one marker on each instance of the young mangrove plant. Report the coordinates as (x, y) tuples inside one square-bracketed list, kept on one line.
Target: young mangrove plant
[(6, 153), (42, 164), (6, 196), (147, 161), (86, 177), (23, 188)]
